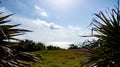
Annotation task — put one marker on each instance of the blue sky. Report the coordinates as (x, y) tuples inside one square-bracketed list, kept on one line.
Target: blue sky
[(55, 21)]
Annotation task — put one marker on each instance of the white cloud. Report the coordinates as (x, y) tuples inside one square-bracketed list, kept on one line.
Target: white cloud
[(2, 9), (60, 44), (6, 12), (41, 11), (76, 28), (44, 23), (63, 5), (42, 30)]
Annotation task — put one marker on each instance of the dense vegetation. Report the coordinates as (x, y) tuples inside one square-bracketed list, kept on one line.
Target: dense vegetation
[(106, 50), (29, 45), (50, 47), (10, 57), (73, 46)]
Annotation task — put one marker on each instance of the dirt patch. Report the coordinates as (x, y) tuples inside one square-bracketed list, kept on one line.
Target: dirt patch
[(81, 51)]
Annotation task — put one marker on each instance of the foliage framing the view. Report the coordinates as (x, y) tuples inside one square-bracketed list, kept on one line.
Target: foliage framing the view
[(107, 53), (10, 57), (29, 45), (7, 31)]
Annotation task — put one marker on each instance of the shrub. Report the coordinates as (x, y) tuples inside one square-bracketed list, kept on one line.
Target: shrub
[(29, 45), (72, 46), (50, 47)]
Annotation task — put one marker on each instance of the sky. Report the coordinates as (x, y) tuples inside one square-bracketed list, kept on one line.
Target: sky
[(55, 22)]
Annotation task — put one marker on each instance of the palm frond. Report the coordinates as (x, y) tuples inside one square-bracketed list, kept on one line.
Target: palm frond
[(5, 17)]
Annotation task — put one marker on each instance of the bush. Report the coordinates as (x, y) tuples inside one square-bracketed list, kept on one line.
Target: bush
[(29, 45), (107, 54), (9, 57), (72, 46), (50, 47)]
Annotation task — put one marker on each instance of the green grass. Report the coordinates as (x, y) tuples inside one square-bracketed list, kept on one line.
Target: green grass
[(59, 58)]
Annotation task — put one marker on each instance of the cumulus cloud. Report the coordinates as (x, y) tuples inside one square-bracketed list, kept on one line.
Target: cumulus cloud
[(6, 12), (44, 23), (62, 37), (2, 9), (76, 28), (41, 11)]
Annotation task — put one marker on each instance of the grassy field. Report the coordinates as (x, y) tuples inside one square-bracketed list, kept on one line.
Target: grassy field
[(59, 58)]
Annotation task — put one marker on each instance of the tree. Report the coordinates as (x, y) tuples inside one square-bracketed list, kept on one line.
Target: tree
[(7, 32), (91, 45), (9, 57), (29, 45), (72, 46), (50, 47), (108, 29)]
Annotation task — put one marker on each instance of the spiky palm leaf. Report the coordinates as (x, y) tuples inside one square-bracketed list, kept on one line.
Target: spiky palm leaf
[(108, 28), (9, 31), (12, 57)]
